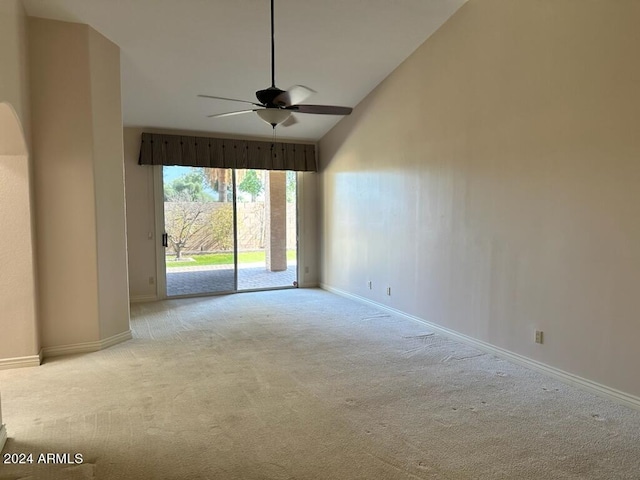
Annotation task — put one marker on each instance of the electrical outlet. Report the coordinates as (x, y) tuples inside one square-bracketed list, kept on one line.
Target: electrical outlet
[(152, 280), (539, 336), (389, 291), (369, 285)]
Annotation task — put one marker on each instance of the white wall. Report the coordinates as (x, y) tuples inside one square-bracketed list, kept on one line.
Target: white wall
[(141, 220), (492, 182)]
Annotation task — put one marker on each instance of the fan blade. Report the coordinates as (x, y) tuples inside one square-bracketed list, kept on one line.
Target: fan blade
[(229, 114), (232, 100), (321, 109), (293, 96), (292, 120)]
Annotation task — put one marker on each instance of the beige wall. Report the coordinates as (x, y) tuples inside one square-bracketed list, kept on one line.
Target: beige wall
[(18, 326), (108, 154), (14, 86), (18, 306), (492, 182), (62, 149), (308, 246), (141, 225), (78, 170), (18, 312), (141, 221)]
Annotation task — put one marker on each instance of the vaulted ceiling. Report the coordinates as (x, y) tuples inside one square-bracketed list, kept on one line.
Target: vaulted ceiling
[(172, 50)]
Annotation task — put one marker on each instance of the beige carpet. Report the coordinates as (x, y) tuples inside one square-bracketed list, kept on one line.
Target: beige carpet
[(302, 384)]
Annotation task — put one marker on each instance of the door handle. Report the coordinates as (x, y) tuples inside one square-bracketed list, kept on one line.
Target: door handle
[(165, 239)]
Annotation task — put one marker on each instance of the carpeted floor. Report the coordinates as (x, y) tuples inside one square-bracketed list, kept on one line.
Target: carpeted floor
[(302, 384)]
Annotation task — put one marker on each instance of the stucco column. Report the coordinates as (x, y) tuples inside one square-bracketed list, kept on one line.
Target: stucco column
[(276, 220)]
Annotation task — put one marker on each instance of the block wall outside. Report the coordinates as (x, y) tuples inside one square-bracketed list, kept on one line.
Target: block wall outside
[(251, 227)]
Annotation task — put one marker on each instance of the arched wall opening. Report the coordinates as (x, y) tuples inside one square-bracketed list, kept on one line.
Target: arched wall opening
[(19, 342)]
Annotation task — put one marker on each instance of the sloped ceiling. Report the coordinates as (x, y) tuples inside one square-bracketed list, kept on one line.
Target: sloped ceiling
[(172, 50)]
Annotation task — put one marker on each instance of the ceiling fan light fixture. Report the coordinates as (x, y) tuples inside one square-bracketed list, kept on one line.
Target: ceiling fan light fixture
[(273, 116), (277, 105)]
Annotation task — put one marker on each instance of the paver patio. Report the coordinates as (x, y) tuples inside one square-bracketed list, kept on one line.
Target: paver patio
[(220, 278)]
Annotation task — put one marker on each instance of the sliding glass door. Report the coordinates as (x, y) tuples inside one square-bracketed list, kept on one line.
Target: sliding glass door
[(266, 226), (228, 230), (199, 231)]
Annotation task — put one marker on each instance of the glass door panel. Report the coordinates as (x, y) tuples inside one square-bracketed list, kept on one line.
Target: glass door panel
[(199, 230), (266, 227)]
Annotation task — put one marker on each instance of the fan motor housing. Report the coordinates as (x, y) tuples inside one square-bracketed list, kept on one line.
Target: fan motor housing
[(268, 95)]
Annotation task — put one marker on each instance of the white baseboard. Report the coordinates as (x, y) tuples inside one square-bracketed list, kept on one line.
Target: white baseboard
[(86, 347), (566, 377), (143, 298), (3, 436), (18, 362)]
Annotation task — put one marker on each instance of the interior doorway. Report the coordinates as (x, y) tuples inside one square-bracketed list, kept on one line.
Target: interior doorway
[(228, 230)]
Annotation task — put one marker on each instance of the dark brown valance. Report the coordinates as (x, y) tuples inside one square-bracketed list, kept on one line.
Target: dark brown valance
[(159, 149)]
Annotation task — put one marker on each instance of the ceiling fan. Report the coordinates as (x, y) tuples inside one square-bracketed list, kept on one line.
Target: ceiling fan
[(276, 106)]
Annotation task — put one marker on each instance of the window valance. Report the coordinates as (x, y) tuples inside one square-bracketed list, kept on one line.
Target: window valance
[(161, 149)]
